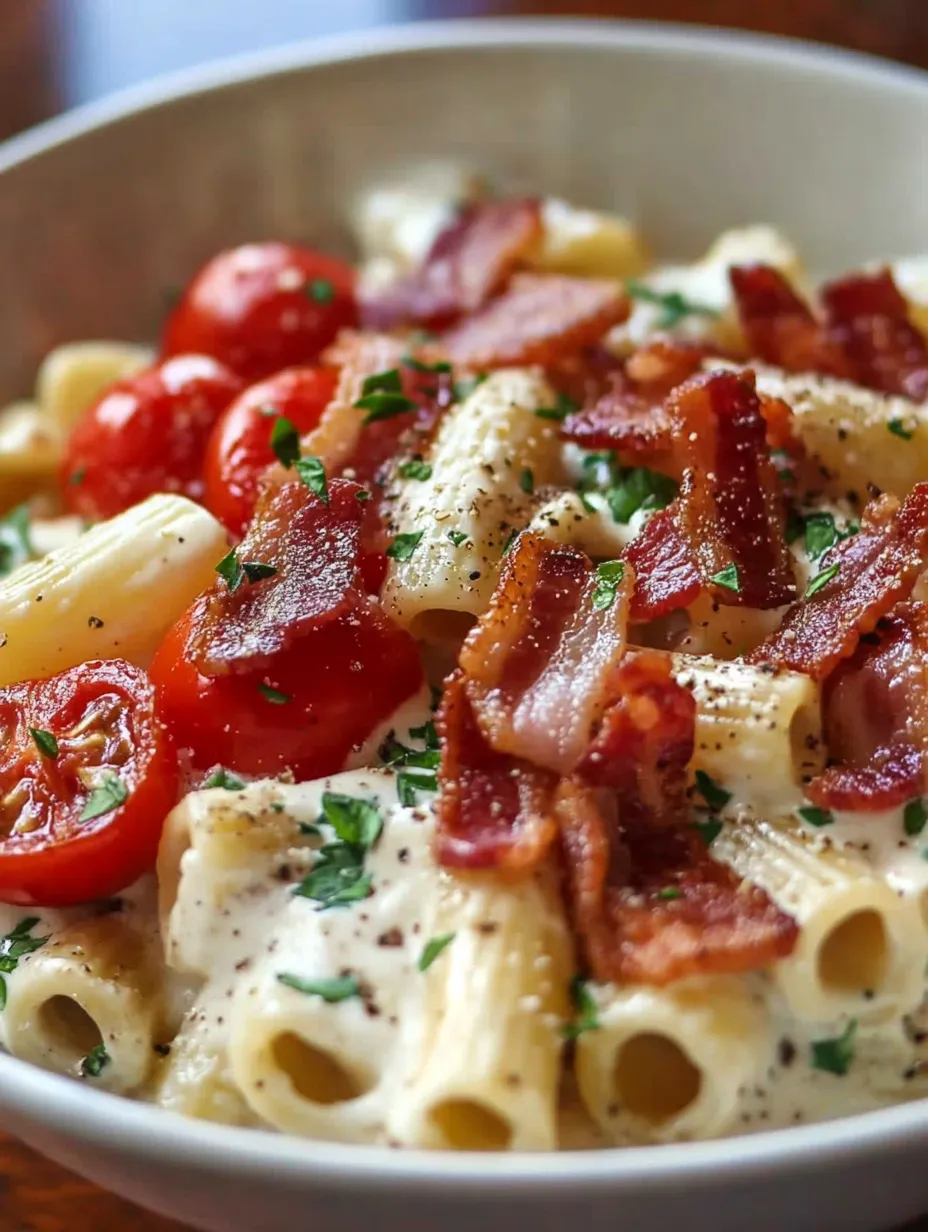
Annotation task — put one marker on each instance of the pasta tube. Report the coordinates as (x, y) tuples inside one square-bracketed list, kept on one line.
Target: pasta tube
[(666, 1064), (589, 244), (72, 377), (114, 593), (473, 500), (486, 1074), (195, 1079), (29, 445)]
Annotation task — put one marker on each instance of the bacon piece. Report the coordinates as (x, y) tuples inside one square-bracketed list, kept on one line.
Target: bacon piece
[(876, 719), (624, 420), (876, 569), (779, 325), (652, 906), (666, 576), (537, 662), (494, 811), (470, 260), (539, 319), (868, 318), (314, 549), (645, 743)]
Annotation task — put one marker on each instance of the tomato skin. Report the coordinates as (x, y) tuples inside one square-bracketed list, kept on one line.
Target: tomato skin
[(254, 308), (239, 448), (146, 434), (57, 860), (343, 680)]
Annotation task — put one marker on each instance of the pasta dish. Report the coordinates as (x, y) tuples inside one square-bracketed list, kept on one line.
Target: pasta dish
[(477, 699)]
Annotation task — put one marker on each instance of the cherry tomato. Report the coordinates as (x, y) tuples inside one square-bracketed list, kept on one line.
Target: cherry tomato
[(263, 307), (239, 449), (321, 697), (146, 434), (87, 777)]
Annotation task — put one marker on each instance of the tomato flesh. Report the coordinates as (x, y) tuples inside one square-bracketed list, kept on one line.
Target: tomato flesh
[(111, 748), (239, 449), (146, 434), (339, 681), (263, 307)]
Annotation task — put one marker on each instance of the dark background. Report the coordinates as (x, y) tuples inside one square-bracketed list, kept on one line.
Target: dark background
[(55, 54)]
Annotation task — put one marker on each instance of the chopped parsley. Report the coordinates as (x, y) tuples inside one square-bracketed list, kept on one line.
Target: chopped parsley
[(404, 545), (815, 816), (457, 537), (285, 441), (898, 428), (109, 795), (609, 577), (820, 534), (715, 796), (382, 396), (95, 1061), (915, 816), (527, 481), (625, 489), (563, 406), (45, 742), (15, 540), (427, 733), (728, 578), (274, 696), (433, 948), (708, 830), (821, 580), (235, 574), (338, 875), (389, 382), (416, 768), (668, 893), (14, 946), (415, 468), (312, 472), (77, 477), (674, 304), (407, 784), (510, 540), (354, 819), (586, 1012), (834, 1056), (221, 777), (463, 389), (321, 290), (418, 366), (338, 988)]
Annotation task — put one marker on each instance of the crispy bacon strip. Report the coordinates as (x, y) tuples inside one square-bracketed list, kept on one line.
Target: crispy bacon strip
[(779, 324), (539, 319), (537, 662), (666, 574), (652, 906), (868, 318), (876, 719), (470, 260), (494, 811), (875, 569), (314, 549), (643, 748)]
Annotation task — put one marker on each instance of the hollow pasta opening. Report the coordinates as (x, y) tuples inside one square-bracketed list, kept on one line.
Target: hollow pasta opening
[(314, 1073), (468, 1125), (442, 627), (68, 1027), (653, 1078), (853, 957)]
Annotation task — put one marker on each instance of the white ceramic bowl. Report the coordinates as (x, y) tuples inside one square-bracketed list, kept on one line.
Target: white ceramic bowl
[(690, 132)]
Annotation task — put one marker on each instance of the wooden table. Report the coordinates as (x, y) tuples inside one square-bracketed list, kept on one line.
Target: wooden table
[(55, 53)]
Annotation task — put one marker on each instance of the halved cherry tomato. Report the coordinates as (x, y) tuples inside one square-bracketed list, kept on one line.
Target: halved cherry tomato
[(146, 434), (263, 307), (87, 777), (322, 696), (239, 449)]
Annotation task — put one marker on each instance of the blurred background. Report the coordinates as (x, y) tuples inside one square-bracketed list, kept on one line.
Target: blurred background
[(57, 53)]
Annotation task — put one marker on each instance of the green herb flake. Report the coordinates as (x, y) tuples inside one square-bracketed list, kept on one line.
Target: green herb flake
[(668, 893), (820, 534), (527, 481), (638, 488), (384, 406), (110, 794), (337, 877), (834, 1056), (509, 541), (915, 816), (95, 1061), (417, 365), (408, 783), (609, 577), (675, 305), (427, 733), (815, 816), (728, 578), (363, 495), (77, 477), (235, 574), (338, 988), (415, 468), (715, 796), (433, 948), (274, 696), (457, 537), (563, 406), (320, 290), (45, 742), (354, 819), (389, 382), (709, 830), (285, 441), (463, 388), (221, 777), (14, 946), (257, 571), (898, 428), (15, 539), (585, 1006), (312, 472), (821, 580), (404, 545)]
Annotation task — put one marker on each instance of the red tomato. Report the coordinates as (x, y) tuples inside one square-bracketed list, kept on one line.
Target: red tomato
[(263, 307), (324, 695), (146, 434), (239, 450), (84, 797)]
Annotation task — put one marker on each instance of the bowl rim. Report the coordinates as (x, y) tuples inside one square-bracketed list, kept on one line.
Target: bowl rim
[(118, 1123)]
